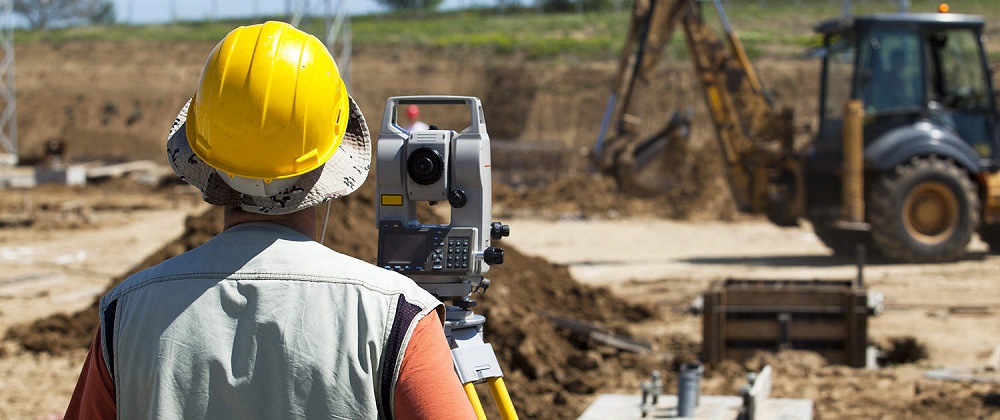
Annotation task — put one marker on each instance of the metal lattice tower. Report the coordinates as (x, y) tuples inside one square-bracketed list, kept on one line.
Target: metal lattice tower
[(8, 110), (335, 31)]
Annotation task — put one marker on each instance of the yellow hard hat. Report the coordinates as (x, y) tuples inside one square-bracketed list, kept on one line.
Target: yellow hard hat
[(271, 104)]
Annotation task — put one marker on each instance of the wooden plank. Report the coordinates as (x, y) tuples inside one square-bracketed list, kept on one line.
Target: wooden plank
[(710, 338), (723, 326), (817, 330), (786, 286), (737, 310), (858, 333), (783, 298), (761, 329), (597, 334), (741, 317)]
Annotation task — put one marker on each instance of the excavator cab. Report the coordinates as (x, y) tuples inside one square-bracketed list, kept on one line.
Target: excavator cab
[(929, 130), (910, 68), (906, 160)]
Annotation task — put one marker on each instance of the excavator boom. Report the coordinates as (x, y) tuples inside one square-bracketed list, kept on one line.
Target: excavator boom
[(755, 140), (906, 157)]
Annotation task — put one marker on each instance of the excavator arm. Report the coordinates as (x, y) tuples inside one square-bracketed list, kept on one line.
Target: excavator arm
[(755, 141)]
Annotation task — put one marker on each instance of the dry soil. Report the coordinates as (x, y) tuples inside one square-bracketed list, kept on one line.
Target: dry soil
[(579, 249)]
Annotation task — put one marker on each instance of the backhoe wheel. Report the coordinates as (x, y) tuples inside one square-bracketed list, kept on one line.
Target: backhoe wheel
[(924, 211)]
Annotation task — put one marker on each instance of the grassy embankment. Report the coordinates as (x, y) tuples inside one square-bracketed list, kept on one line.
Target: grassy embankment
[(767, 27)]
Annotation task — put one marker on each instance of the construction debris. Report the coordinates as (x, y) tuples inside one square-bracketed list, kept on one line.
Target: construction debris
[(598, 334), (754, 403)]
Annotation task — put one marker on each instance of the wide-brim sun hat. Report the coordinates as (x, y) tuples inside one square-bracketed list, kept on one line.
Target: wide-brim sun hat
[(339, 176)]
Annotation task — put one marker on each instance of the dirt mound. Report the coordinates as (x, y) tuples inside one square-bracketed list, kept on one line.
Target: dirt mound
[(553, 373), (550, 372), (840, 392), (120, 106), (537, 180)]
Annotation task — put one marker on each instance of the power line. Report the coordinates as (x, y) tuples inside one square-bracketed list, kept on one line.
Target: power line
[(8, 108), (336, 27)]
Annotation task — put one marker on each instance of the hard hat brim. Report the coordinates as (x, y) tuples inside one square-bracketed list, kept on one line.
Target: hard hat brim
[(341, 175)]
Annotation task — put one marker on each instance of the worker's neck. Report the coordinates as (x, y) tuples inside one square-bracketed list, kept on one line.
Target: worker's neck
[(303, 221)]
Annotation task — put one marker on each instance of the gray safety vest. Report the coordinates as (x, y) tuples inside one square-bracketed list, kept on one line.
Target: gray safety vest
[(259, 322)]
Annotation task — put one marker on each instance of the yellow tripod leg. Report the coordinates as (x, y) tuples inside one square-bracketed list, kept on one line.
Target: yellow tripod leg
[(470, 391), (502, 398)]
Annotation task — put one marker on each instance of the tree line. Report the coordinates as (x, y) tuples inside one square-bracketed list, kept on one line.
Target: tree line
[(41, 14)]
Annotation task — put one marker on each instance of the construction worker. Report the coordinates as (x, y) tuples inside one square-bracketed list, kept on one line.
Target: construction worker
[(413, 114), (262, 321)]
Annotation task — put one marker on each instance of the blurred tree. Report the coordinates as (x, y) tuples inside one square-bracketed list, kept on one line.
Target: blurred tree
[(100, 12), (42, 14), (403, 5)]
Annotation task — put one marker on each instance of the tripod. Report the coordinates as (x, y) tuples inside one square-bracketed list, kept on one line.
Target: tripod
[(475, 360)]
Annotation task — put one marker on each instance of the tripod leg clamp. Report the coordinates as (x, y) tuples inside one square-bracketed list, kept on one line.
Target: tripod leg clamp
[(476, 362)]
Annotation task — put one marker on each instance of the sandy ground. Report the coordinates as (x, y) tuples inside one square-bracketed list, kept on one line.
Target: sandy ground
[(119, 106), (62, 270), (954, 309)]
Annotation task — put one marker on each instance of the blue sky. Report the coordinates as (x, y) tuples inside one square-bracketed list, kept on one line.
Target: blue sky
[(153, 11)]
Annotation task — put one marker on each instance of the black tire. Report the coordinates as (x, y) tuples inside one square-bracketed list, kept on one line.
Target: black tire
[(923, 211), (991, 235), (844, 243)]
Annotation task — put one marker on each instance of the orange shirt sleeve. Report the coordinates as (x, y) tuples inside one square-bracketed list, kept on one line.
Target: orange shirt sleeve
[(94, 396), (428, 387)]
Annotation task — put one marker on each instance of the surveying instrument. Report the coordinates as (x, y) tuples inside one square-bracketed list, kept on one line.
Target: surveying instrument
[(448, 260)]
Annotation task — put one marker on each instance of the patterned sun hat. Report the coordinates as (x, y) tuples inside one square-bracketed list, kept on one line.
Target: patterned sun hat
[(341, 175)]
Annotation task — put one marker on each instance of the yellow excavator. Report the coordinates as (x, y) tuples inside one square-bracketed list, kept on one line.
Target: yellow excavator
[(907, 156)]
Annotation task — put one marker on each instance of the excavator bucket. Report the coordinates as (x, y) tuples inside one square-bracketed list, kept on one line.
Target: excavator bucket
[(655, 164), (755, 140)]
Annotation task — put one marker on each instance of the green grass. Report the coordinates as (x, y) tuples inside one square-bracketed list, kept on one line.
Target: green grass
[(183, 31), (765, 26), (538, 35)]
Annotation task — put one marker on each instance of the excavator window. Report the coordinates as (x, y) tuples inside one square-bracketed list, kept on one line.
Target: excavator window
[(838, 69), (891, 77), (959, 80), (960, 93)]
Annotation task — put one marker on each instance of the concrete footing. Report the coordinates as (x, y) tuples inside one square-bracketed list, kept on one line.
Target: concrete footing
[(19, 177), (16, 177), (629, 406)]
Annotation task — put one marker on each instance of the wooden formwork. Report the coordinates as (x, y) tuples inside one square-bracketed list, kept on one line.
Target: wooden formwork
[(829, 317)]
